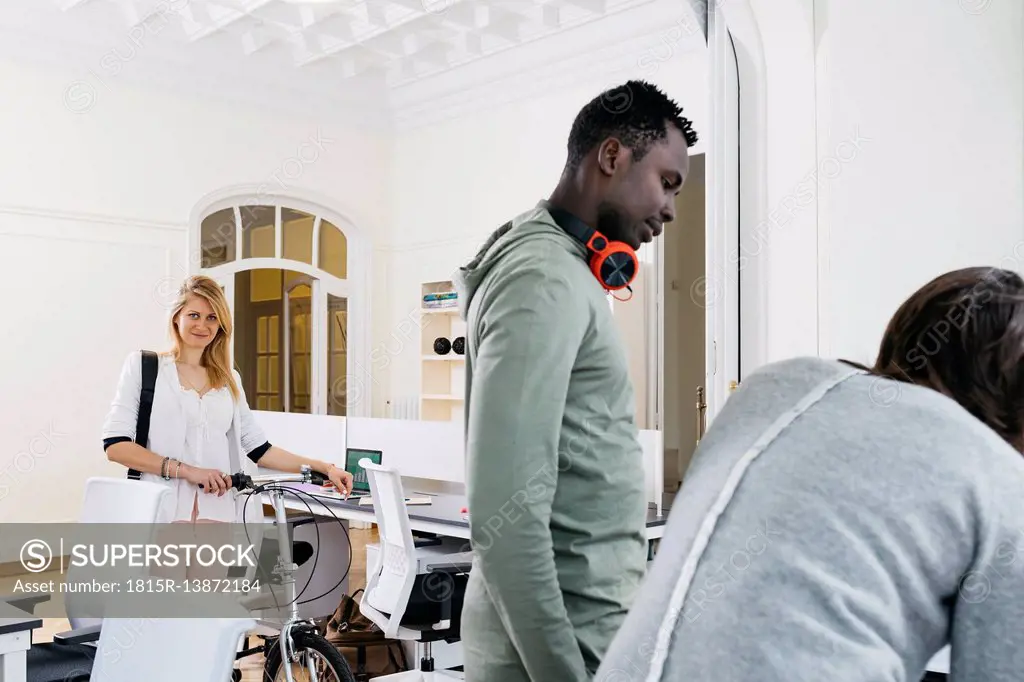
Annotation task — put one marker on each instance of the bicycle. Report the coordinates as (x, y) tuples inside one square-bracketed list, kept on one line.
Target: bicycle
[(300, 639)]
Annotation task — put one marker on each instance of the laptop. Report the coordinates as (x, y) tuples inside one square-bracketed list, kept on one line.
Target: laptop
[(360, 483)]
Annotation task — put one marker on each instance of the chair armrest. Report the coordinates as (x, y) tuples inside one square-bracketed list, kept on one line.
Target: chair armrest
[(25, 603), (444, 591), (451, 569), (78, 635), (432, 541)]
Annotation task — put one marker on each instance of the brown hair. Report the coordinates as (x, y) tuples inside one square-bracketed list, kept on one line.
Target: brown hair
[(217, 354), (962, 334)]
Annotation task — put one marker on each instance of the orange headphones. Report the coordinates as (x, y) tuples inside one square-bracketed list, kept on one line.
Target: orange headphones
[(614, 264)]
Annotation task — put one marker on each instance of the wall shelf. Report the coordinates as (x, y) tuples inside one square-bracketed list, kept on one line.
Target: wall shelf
[(442, 377)]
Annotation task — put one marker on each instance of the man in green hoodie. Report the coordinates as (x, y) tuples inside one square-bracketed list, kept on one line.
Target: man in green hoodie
[(554, 467)]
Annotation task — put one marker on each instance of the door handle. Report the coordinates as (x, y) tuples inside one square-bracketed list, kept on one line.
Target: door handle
[(701, 408)]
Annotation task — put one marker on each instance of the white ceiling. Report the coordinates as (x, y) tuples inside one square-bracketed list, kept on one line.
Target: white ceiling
[(379, 56)]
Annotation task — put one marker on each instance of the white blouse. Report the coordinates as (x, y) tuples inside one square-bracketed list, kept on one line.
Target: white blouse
[(211, 431), (208, 419)]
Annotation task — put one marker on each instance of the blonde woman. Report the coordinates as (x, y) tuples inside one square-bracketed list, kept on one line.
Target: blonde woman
[(201, 428)]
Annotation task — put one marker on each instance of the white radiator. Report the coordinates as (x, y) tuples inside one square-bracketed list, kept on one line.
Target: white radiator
[(406, 407)]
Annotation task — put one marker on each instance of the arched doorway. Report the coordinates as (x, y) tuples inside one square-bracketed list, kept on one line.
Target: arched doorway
[(726, 316), (296, 274), (740, 229)]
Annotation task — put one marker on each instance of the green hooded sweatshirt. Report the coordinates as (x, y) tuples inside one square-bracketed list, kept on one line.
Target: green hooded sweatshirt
[(554, 474)]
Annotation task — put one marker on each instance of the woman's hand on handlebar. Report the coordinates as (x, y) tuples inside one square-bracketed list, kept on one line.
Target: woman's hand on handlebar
[(213, 481)]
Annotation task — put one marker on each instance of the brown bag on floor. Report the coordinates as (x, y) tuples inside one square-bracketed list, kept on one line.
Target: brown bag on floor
[(348, 628), (348, 625)]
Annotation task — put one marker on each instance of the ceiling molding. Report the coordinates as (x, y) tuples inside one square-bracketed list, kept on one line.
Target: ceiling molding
[(379, 65), (642, 25), (91, 218), (262, 99), (464, 95), (100, 61)]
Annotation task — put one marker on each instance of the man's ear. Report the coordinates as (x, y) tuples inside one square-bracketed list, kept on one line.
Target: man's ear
[(611, 155)]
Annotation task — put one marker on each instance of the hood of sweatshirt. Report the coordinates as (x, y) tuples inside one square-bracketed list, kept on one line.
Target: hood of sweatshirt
[(536, 223)]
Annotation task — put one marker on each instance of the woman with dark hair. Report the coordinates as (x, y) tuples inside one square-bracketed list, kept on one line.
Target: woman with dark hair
[(845, 523)]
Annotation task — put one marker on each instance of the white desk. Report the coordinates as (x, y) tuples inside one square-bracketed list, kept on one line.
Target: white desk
[(442, 517)]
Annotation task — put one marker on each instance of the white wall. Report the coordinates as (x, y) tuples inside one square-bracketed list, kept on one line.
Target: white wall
[(936, 180), (457, 181), (93, 215), (893, 152), (893, 139)]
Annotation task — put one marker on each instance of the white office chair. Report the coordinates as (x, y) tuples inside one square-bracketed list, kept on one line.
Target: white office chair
[(106, 500), (121, 500), (423, 607), (113, 500), (109, 500), (168, 649)]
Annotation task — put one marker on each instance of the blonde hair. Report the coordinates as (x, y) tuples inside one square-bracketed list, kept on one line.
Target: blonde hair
[(217, 354)]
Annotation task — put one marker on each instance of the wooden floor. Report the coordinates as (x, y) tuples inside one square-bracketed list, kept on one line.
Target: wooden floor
[(252, 667)]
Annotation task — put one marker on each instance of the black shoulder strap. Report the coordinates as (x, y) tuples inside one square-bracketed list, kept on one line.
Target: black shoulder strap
[(149, 372)]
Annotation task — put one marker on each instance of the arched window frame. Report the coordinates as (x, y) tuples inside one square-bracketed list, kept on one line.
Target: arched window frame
[(355, 288)]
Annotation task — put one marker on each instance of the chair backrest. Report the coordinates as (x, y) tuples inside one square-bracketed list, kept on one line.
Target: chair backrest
[(389, 584), (168, 649), (116, 500), (121, 500)]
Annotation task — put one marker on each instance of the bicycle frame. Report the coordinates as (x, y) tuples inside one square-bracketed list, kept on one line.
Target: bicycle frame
[(285, 567)]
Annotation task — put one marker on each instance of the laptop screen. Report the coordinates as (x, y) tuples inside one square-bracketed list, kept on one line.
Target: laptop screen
[(360, 484)]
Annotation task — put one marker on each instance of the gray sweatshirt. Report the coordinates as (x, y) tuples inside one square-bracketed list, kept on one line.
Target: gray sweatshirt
[(554, 466), (835, 526)]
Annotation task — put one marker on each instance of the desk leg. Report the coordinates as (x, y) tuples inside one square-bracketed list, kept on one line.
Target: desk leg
[(13, 666), (13, 659)]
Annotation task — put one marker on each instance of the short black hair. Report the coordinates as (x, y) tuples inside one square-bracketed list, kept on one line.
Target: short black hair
[(636, 112)]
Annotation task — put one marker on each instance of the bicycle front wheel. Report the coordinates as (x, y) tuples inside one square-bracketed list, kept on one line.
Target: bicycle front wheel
[(316, 659)]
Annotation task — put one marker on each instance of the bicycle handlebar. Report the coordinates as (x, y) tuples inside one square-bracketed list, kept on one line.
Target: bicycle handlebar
[(241, 481)]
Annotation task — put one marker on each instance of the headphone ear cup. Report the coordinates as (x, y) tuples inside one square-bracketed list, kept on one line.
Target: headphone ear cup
[(616, 266)]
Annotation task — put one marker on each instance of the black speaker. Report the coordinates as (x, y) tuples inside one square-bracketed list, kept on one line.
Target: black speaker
[(442, 345), (459, 345)]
